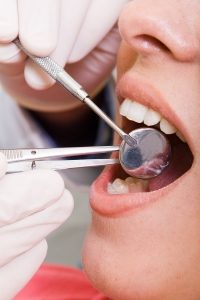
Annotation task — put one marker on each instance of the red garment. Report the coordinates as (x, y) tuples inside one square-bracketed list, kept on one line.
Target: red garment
[(59, 283)]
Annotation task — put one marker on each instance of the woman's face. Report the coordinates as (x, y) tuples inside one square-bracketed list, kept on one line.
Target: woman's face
[(144, 241)]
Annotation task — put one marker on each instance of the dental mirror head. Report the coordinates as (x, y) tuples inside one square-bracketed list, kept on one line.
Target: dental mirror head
[(149, 157)]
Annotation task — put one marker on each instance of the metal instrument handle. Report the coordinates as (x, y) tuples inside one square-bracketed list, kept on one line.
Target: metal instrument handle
[(56, 72), (14, 155), (57, 165)]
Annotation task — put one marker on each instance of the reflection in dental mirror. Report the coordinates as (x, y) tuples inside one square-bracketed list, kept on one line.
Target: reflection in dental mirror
[(149, 157)]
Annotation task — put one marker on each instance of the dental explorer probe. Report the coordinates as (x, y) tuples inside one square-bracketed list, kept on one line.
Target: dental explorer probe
[(62, 77)]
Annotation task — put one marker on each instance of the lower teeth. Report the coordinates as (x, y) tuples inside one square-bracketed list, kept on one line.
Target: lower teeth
[(129, 185)]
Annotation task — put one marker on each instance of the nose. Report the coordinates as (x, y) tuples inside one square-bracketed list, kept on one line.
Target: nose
[(156, 26)]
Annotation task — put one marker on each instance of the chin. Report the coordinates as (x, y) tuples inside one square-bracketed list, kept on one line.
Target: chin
[(144, 240)]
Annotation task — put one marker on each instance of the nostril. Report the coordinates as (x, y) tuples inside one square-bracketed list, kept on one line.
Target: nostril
[(155, 30), (147, 44)]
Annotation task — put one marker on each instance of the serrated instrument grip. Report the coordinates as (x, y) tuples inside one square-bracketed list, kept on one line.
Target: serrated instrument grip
[(57, 73)]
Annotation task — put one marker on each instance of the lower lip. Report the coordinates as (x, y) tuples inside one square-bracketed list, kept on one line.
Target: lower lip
[(113, 204)]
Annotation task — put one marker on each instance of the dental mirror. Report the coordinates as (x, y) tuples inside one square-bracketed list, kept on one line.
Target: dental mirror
[(148, 157)]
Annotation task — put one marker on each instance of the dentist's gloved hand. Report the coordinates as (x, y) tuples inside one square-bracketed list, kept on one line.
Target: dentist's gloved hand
[(32, 205), (79, 33)]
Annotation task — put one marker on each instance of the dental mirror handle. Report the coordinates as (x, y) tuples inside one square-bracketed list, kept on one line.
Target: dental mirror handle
[(62, 77)]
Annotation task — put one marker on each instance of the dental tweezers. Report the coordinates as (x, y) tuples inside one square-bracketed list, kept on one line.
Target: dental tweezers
[(20, 160)]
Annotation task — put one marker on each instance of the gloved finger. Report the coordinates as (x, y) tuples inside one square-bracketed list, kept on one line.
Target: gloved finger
[(8, 20), (95, 27), (71, 20), (39, 25), (35, 77), (21, 236), (92, 70), (83, 29), (3, 165), (90, 25), (100, 61), (15, 275), (9, 53), (73, 16), (25, 193)]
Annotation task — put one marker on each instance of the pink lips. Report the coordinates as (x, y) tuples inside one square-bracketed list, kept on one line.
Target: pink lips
[(114, 205)]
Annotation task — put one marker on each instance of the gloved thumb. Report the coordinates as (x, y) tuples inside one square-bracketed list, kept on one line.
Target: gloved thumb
[(3, 165)]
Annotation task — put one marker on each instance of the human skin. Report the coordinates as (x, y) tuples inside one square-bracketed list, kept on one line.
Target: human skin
[(151, 250)]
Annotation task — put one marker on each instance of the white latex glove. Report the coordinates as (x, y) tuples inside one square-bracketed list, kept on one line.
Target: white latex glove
[(33, 204), (69, 31)]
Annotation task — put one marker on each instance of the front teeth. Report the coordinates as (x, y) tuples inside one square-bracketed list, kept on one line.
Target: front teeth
[(152, 117), (167, 127), (136, 112), (139, 113)]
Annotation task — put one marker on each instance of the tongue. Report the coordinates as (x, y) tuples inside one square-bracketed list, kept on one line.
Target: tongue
[(181, 162)]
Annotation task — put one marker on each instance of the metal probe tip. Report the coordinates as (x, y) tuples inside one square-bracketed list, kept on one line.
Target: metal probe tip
[(129, 140)]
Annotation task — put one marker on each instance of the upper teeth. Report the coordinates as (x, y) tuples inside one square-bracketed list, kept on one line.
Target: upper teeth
[(140, 113)]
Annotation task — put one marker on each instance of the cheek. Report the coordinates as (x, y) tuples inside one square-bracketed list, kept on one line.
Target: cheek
[(150, 254), (126, 58)]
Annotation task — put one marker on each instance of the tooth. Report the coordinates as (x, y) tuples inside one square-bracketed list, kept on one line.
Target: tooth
[(111, 189), (119, 186), (151, 117), (136, 112), (130, 180), (167, 127), (180, 136), (137, 185), (136, 188), (124, 108)]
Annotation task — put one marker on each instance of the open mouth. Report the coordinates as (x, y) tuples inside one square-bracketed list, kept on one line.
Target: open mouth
[(114, 185), (136, 115)]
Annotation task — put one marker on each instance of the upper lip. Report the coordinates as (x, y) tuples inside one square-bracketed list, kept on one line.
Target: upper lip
[(134, 86)]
